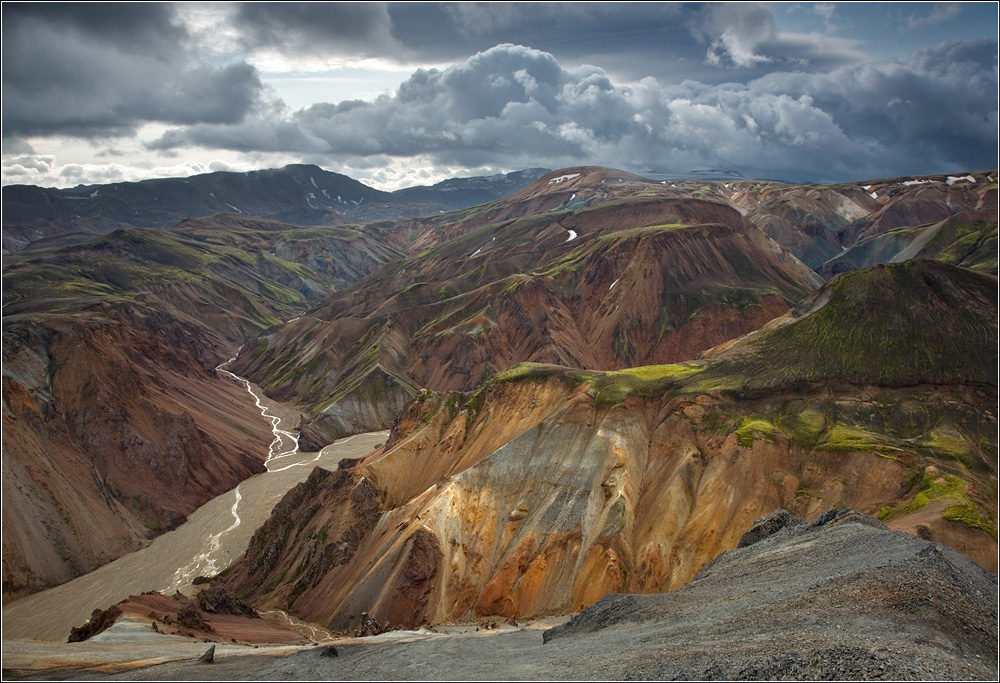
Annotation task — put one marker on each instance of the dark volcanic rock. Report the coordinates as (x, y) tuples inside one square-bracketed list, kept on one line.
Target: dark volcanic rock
[(837, 599), (100, 620), (219, 599), (191, 617), (208, 657), (768, 526)]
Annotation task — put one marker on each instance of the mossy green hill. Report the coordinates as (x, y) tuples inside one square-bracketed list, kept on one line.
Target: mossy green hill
[(900, 324)]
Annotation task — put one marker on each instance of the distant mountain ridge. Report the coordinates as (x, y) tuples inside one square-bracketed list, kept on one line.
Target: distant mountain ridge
[(299, 194)]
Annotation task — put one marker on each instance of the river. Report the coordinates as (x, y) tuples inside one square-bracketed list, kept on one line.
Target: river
[(213, 536)]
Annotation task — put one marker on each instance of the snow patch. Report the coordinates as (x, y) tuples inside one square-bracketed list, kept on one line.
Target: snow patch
[(476, 252), (952, 179), (915, 182), (572, 235), (236, 209), (613, 284), (313, 181), (866, 187), (326, 194), (94, 193), (564, 177), (873, 195), (309, 200)]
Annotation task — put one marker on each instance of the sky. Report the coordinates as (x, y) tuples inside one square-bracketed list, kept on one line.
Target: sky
[(402, 94)]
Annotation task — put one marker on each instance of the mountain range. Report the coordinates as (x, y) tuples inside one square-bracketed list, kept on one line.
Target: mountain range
[(298, 194), (595, 382)]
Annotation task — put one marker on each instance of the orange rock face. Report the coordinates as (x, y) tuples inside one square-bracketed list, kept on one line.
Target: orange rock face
[(534, 499)]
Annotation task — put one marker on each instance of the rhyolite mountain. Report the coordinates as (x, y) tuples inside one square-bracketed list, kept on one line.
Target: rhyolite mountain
[(299, 194), (549, 487), (590, 267), (819, 222), (630, 275), (115, 423)]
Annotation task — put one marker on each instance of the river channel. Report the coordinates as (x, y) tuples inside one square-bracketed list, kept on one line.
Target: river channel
[(213, 536)]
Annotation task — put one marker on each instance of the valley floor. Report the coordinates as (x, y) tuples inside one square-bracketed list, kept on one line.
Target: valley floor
[(172, 560)]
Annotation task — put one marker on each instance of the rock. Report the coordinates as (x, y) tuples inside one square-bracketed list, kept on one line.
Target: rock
[(833, 517), (99, 621), (198, 580), (208, 657), (310, 438), (369, 626), (768, 526), (191, 617), (218, 598), (328, 651)]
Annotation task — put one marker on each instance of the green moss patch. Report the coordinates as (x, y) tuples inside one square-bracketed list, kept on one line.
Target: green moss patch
[(614, 387), (803, 428), (841, 437), (751, 429)]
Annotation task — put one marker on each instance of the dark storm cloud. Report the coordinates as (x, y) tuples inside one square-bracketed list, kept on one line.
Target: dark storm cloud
[(96, 70), (345, 28), (709, 42), (517, 107), (151, 29)]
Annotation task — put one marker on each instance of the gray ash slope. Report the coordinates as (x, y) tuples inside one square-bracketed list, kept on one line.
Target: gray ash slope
[(842, 598)]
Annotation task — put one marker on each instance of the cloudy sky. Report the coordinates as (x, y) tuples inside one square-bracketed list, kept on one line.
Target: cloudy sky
[(412, 93)]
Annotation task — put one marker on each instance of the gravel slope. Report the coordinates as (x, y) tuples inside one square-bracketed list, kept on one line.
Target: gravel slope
[(843, 598)]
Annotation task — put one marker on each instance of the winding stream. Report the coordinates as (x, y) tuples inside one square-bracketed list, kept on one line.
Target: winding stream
[(213, 536)]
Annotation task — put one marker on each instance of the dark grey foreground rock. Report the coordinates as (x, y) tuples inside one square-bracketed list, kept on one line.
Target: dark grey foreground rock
[(843, 598)]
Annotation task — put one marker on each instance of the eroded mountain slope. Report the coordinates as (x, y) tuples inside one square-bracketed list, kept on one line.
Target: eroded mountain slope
[(115, 423), (631, 280), (549, 487)]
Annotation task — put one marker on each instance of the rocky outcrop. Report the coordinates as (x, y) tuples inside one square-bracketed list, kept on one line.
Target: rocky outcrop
[(100, 620), (189, 616), (842, 598), (218, 598)]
